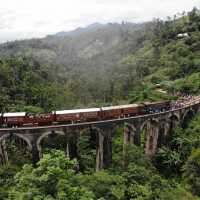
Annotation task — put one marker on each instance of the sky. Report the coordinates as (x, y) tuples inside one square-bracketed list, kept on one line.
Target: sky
[(21, 19)]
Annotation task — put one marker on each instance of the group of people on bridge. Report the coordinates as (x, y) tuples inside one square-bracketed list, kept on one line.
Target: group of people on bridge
[(182, 101)]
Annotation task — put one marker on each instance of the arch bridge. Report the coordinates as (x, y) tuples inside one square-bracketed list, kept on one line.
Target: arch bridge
[(151, 131)]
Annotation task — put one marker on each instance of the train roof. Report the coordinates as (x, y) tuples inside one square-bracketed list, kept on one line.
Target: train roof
[(62, 112), (120, 107), (14, 114), (157, 102)]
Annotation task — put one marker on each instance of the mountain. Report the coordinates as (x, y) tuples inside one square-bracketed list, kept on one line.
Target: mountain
[(77, 66), (96, 45), (91, 27)]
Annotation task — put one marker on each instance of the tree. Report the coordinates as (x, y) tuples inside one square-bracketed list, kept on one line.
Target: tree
[(49, 180), (6, 180), (102, 184), (167, 160), (191, 171), (146, 93)]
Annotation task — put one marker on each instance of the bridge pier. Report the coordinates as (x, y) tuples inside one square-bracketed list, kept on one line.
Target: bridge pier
[(99, 151), (151, 139), (107, 156), (67, 146), (72, 144), (167, 133), (137, 139), (36, 153), (103, 148), (3, 154)]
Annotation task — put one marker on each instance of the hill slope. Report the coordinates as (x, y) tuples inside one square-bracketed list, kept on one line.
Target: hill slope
[(80, 62), (171, 59)]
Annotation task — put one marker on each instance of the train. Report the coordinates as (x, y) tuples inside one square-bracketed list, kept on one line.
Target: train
[(23, 119)]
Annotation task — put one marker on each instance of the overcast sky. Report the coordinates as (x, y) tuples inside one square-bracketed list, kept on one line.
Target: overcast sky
[(36, 18)]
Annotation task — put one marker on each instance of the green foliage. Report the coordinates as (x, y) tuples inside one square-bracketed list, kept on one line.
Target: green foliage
[(86, 153), (148, 93), (138, 192), (28, 86), (175, 59), (103, 185), (43, 181), (136, 155), (6, 180), (169, 161), (191, 172), (190, 84)]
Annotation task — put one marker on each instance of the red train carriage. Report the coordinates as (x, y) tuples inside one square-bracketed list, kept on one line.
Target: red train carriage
[(14, 119), (45, 119), (77, 115), (39, 120), (112, 112), (132, 109), (153, 107), (23, 119)]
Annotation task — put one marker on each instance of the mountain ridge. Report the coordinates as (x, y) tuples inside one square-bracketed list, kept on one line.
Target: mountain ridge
[(78, 30)]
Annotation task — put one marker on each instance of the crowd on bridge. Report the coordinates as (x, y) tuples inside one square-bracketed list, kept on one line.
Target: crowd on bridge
[(182, 101)]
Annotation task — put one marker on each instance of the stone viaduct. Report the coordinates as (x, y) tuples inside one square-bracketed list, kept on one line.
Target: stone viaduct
[(156, 130)]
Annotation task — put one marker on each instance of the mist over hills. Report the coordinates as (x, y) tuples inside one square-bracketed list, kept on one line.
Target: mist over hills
[(83, 42), (81, 63), (97, 46), (80, 30)]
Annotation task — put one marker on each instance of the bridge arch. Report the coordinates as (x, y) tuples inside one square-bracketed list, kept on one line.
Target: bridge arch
[(174, 120), (4, 137), (175, 116), (144, 124), (149, 122), (25, 139), (149, 135), (44, 135), (129, 133), (28, 142), (187, 116), (8, 152)]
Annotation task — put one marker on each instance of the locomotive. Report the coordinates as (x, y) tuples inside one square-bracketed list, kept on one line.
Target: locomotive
[(23, 119)]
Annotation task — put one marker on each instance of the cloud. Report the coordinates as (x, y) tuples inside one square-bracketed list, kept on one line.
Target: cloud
[(37, 18)]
